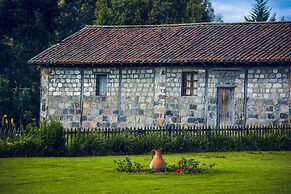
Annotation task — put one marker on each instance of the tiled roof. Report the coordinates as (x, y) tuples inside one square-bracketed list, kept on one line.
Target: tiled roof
[(180, 43)]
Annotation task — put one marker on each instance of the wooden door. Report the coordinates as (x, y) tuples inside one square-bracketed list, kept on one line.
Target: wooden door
[(225, 106)]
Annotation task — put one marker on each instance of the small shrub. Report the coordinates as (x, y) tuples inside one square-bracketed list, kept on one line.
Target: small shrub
[(52, 138), (192, 166), (126, 165)]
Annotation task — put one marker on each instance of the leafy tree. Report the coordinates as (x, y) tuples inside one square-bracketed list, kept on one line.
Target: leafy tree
[(130, 12), (260, 12), (74, 15), (26, 27)]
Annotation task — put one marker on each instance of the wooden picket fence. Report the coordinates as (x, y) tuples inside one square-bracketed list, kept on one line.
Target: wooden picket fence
[(195, 131)]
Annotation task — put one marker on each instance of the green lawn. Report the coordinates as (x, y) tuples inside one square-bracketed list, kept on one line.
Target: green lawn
[(238, 172)]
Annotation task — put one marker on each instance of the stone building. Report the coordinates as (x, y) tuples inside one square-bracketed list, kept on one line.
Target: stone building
[(185, 74)]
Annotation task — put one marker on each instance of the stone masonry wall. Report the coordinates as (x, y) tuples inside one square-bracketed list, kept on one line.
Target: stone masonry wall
[(137, 97), (151, 96), (269, 96), (63, 95), (100, 111), (183, 110)]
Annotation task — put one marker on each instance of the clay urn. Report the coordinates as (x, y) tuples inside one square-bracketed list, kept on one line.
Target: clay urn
[(157, 164)]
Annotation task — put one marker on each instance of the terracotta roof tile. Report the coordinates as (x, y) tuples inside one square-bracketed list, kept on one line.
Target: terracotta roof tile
[(233, 42)]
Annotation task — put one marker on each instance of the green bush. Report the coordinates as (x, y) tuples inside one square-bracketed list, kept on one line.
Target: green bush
[(74, 149), (120, 144), (87, 145), (25, 146), (52, 138)]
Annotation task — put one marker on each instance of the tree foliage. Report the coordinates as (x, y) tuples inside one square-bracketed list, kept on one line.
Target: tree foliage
[(26, 27), (74, 15), (134, 12), (260, 12)]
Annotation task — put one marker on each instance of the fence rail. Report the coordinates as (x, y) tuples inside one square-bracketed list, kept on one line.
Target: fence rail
[(194, 131)]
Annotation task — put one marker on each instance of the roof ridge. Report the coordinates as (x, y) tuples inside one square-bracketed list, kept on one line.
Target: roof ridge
[(182, 24)]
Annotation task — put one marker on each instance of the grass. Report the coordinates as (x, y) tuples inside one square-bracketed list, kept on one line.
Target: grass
[(238, 172)]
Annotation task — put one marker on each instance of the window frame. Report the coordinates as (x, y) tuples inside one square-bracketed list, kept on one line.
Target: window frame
[(191, 81)]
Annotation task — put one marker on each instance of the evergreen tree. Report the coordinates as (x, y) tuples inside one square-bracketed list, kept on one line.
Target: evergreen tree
[(260, 12)]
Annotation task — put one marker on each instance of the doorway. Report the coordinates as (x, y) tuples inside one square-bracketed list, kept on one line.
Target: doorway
[(225, 106)]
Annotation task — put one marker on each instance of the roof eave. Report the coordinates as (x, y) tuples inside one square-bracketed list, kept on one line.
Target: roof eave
[(158, 63)]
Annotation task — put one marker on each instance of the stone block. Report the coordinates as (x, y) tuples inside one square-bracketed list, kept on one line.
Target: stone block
[(284, 108), (270, 108), (193, 106), (192, 113), (283, 115), (253, 116), (169, 113), (176, 120), (270, 115), (84, 118), (75, 124), (277, 85), (195, 120), (141, 112), (122, 119), (175, 113), (250, 76), (65, 111)]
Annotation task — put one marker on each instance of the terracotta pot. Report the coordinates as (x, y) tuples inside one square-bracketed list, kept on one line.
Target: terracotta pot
[(157, 163)]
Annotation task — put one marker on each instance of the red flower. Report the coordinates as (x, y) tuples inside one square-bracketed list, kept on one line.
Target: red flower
[(178, 171)]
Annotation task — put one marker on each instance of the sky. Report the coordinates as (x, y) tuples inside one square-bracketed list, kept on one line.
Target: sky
[(235, 10)]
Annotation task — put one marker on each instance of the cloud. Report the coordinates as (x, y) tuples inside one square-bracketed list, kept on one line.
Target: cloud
[(234, 11), (283, 12)]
